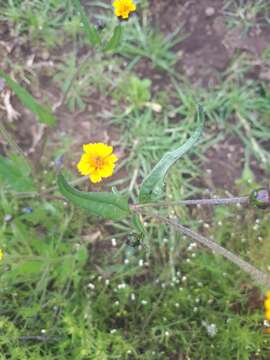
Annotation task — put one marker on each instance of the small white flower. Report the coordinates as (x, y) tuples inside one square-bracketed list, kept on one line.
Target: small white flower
[(122, 286), (144, 302), (91, 286), (113, 331), (141, 262), (211, 329), (114, 243), (133, 297)]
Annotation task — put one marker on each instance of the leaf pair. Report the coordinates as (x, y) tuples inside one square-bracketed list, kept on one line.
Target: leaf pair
[(114, 206)]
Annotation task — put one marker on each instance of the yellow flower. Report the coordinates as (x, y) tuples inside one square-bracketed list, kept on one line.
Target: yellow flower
[(1, 254), (268, 294), (98, 161), (267, 304), (122, 8)]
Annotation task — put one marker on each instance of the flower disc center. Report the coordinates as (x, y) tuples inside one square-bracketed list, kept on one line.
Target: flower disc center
[(99, 162)]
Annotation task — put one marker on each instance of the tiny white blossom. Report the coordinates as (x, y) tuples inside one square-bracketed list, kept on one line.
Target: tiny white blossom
[(91, 286), (141, 262)]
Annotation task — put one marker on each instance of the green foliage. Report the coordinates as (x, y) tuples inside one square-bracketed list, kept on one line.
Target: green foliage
[(145, 42), (115, 40), (107, 205), (44, 115), (90, 31), (135, 91), (152, 185), (14, 172), (38, 22)]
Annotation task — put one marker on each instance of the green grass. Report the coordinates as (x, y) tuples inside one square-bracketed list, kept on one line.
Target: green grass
[(247, 15), (76, 287)]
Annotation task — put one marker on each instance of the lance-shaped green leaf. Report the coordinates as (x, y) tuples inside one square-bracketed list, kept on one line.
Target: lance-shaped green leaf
[(44, 115), (115, 40), (90, 31), (105, 204), (153, 184)]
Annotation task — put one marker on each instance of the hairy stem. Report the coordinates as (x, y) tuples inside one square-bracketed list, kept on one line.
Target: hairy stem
[(259, 276), (217, 201)]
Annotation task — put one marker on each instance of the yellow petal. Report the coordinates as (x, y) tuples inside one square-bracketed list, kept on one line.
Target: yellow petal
[(267, 304), (103, 150), (84, 166), (95, 177), (268, 294), (111, 159), (106, 171), (89, 148)]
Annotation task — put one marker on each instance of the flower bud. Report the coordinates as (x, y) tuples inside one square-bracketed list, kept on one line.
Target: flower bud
[(260, 198)]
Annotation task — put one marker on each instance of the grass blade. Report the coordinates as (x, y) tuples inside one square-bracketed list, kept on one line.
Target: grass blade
[(90, 31), (44, 115)]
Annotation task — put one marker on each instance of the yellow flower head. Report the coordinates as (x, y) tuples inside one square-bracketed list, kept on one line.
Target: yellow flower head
[(1, 254), (122, 8), (98, 161)]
